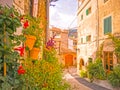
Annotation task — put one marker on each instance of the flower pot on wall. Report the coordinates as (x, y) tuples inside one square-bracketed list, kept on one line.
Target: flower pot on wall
[(34, 53), (30, 41)]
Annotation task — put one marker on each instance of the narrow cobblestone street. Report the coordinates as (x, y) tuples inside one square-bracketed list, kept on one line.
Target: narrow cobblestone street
[(78, 83)]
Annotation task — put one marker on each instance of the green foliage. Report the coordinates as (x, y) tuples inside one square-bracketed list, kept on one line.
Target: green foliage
[(9, 21), (96, 70), (114, 76), (43, 75), (50, 55), (116, 42), (83, 73)]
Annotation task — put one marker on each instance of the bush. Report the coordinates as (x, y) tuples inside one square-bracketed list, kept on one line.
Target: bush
[(96, 70), (114, 76), (83, 73)]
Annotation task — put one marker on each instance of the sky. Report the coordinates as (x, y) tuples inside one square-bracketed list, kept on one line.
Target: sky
[(63, 14)]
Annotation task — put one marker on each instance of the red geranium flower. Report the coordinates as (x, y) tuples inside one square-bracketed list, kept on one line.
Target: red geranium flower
[(21, 70), (26, 24), (21, 50)]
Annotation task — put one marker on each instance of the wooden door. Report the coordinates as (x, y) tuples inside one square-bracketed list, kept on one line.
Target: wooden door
[(68, 60)]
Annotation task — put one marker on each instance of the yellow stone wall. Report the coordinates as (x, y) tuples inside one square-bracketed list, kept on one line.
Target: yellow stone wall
[(87, 26), (110, 8)]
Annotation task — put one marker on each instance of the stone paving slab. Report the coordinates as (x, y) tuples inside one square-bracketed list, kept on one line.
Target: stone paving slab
[(93, 86), (78, 83), (75, 85)]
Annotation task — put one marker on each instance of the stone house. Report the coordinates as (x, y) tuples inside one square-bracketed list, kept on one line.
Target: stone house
[(97, 18), (66, 56)]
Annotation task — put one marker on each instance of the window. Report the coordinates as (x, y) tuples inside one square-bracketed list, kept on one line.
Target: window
[(81, 40), (58, 35), (74, 43), (81, 17), (105, 1), (88, 38), (88, 11), (108, 25), (108, 61)]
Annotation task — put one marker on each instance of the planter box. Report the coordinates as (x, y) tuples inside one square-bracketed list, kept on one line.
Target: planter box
[(30, 41), (34, 53)]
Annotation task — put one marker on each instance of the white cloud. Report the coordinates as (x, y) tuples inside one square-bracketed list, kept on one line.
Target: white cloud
[(63, 13)]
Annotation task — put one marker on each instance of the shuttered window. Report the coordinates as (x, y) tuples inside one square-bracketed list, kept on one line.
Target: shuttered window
[(105, 1), (88, 38), (108, 25), (81, 40), (88, 11)]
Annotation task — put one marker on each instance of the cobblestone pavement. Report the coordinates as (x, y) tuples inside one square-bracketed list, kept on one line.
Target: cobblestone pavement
[(78, 83)]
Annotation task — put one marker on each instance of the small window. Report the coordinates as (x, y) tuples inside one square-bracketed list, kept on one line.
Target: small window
[(88, 11), (105, 1), (88, 38), (81, 40), (81, 17), (58, 35), (74, 43), (108, 25)]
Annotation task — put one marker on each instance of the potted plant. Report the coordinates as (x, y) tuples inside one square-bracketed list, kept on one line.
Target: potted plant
[(33, 33), (31, 30), (34, 53)]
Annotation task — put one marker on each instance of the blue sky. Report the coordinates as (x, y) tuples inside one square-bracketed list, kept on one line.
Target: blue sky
[(63, 14)]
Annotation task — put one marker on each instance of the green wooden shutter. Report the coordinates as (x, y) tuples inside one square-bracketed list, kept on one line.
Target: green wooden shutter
[(87, 12), (109, 25), (105, 26), (86, 38), (81, 40)]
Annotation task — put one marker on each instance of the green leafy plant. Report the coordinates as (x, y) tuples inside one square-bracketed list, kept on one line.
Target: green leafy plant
[(116, 42), (9, 22), (43, 75), (96, 70), (114, 76), (83, 73)]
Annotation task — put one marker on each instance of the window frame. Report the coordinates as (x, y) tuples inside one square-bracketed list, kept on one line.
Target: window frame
[(88, 11), (88, 38), (107, 61), (81, 40), (105, 1), (107, 25), (81, 17)]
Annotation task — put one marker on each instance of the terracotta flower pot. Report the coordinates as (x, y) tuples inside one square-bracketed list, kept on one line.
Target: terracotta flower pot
[(30, 40), (34, 53)]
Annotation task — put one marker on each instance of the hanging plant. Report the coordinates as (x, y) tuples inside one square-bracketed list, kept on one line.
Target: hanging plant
[(31, 27)]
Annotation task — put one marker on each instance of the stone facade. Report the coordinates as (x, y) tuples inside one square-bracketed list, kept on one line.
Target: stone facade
[(93, 24), (87, 29), (65, 55)]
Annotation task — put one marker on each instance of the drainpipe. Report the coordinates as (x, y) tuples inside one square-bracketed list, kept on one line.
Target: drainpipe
[(97, 27), (47, 23)]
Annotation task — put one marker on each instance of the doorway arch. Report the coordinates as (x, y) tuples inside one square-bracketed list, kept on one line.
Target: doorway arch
[(81, 64)]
